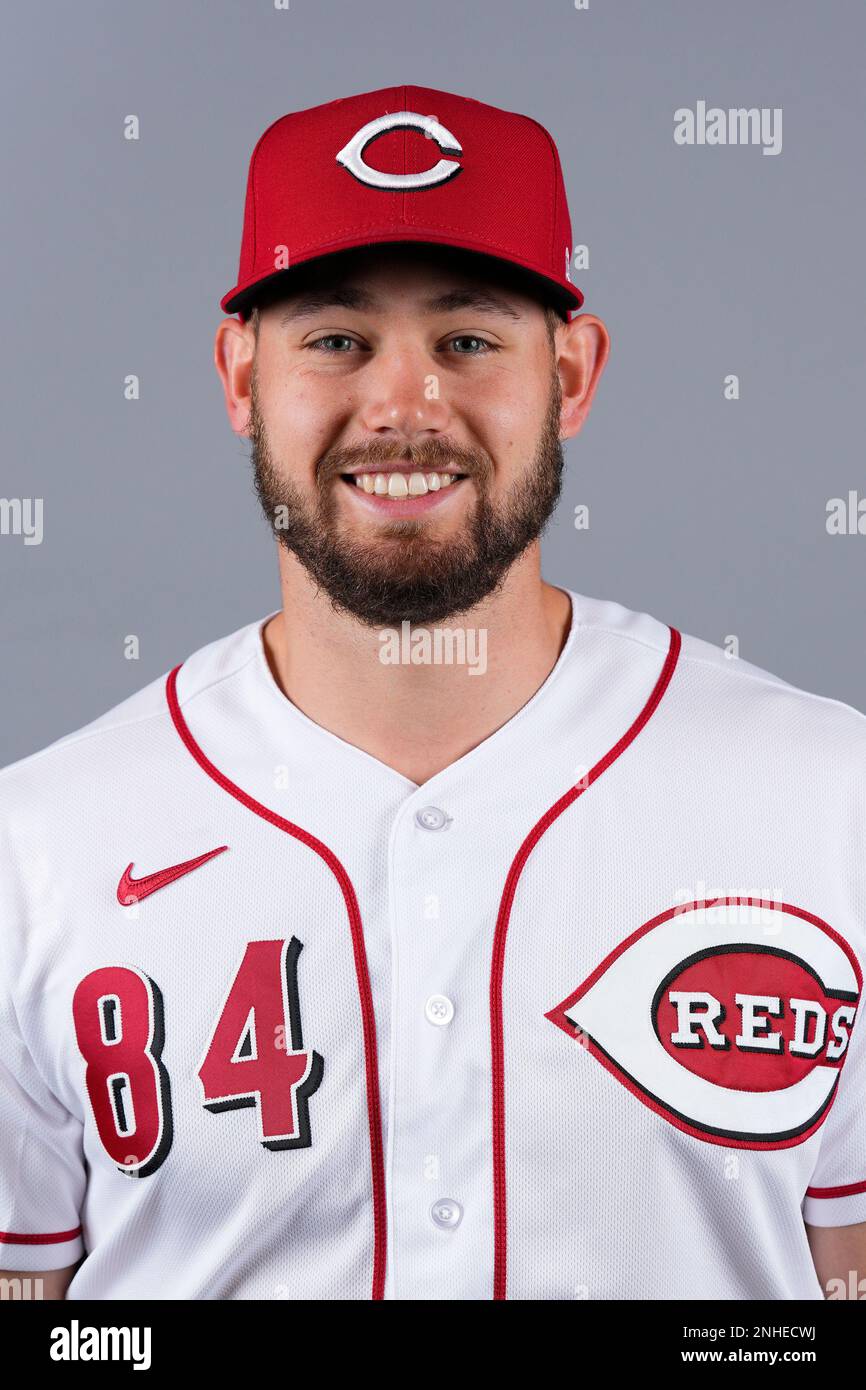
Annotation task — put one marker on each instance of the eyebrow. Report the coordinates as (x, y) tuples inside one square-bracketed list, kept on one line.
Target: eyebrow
[(350, 297)]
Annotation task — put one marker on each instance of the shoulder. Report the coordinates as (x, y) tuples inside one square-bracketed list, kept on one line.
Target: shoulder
[(134, 735), (713, 691)]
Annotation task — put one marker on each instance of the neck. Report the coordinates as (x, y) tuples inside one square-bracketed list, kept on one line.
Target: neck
[(470, 674)]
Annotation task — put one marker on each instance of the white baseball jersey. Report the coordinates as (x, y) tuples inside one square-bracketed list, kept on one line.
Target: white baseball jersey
[(575, 1018)]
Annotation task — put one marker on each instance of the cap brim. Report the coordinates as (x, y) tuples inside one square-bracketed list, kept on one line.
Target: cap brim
[(562, 297)]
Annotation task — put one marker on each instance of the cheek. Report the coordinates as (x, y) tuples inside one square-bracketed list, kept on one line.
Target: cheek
[(505, 422), (303, 423), (508, 403)]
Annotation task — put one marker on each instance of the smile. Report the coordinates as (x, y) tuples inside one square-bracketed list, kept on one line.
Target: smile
[(396, 484), (403, 495)]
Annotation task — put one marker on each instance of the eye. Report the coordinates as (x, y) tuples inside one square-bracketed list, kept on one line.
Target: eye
[(478, 343), (319, 344)]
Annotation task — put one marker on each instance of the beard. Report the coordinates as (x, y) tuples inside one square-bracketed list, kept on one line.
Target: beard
[(404, 573)]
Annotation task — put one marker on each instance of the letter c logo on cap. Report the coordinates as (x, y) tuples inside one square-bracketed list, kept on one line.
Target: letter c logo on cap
[(351, 156)]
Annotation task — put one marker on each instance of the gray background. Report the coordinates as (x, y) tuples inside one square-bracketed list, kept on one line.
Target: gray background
[(708, 514)]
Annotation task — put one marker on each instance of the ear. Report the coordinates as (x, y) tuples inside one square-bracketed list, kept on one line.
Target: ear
[(234, 350), (582, 348)]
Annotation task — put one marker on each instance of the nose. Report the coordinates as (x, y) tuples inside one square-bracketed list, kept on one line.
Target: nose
[(403, 396)]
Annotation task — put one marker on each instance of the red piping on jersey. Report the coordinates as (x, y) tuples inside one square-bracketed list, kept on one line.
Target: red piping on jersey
[(16, 1238), (374, 1109), (849, 1190), (500, 1245)]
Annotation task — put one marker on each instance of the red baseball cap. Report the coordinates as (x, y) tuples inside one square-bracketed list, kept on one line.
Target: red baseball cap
[(406, 164)]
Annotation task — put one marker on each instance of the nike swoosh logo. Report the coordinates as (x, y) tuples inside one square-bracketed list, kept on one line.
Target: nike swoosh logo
[(131, 890)]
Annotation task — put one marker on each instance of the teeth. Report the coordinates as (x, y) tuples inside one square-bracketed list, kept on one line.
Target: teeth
[(398, 485)]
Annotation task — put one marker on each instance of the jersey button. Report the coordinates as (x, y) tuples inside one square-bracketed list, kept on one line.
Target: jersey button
[(439, 1009), (432, 818), (446, 1213)]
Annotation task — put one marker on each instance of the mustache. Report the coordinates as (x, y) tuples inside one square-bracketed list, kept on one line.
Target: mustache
[(426, 455)]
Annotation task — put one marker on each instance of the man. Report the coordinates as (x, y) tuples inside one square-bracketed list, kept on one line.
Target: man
[(445, 934)]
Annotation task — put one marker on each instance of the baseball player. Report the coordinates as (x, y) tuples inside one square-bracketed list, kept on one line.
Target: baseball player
[(443, 934)]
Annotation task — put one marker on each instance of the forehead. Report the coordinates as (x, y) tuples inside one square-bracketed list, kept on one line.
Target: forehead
[(425, 278)]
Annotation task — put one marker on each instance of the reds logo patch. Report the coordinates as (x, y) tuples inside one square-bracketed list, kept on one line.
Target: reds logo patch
[(731, 1018)]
